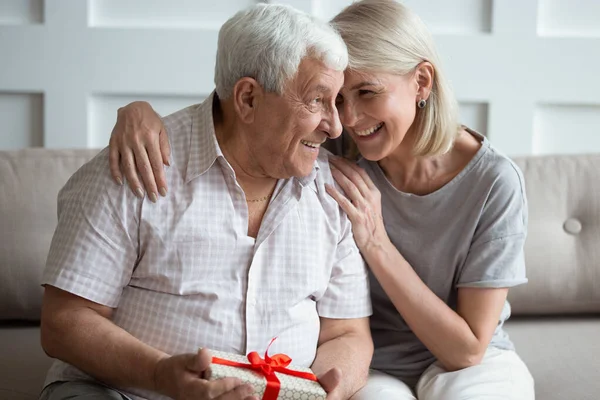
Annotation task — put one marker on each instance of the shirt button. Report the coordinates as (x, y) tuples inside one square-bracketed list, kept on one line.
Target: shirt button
[(572, 226)]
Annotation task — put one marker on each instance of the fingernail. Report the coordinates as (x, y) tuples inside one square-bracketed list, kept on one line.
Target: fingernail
[(119, 181), (139, 193), (153, 197), (162, 191)]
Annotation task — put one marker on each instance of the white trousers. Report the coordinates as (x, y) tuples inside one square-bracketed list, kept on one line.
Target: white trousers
[(501, 375)]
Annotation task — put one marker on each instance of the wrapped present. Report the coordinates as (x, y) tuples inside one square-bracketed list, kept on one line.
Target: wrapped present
[(273, 377)]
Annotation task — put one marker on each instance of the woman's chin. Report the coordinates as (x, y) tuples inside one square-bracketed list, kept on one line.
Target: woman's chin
[(371, 154)]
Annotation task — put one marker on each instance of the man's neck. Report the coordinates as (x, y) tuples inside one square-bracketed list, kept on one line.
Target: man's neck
[(232, 140)]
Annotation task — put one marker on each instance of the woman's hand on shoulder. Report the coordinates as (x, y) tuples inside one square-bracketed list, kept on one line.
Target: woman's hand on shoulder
[(139, 144), (362, 203)]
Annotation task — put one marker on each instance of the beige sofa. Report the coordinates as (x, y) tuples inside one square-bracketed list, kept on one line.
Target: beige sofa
[(556, 327)]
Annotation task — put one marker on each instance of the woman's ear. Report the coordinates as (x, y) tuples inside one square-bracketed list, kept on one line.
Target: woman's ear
[(424, 76), (246, 93)]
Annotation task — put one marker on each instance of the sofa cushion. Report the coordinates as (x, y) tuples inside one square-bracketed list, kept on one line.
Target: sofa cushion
[(562, 355), (562, 250), (23, 363), (29, 183)]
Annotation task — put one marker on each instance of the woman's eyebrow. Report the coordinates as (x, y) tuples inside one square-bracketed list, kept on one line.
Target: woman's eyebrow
[(359, 85)]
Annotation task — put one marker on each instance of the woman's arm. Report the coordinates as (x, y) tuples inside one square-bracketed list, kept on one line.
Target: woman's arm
[(458, 339), (139, 142)]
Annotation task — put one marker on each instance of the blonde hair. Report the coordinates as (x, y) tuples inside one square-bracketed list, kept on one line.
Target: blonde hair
[(386, 36)]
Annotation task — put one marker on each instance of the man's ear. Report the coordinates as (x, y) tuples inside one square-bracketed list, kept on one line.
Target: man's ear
[(424, 76), (246, 94)]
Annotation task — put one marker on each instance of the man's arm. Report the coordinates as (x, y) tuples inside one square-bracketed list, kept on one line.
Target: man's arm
[(344, 344), (80, 332)]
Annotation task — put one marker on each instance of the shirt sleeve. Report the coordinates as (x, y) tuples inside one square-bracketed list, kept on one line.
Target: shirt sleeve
[(94, 248), (496, 257), (347, 295)]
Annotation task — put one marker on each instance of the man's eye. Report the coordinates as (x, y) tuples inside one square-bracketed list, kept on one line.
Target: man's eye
[(364, 91), (316, 100), (339, 99)]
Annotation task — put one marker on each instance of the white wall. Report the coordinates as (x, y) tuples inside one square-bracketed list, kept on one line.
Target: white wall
[(526, 72)]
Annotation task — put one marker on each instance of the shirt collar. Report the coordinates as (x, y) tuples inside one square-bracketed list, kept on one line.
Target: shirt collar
[(204, 148), (307, 180)]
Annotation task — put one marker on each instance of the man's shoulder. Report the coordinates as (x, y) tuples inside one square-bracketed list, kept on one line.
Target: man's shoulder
[(179, 123), (93, 185), (322, 163), (324, 177), (188, 131)]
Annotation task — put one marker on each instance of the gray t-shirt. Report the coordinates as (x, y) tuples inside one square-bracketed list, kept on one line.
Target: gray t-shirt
[(469, 233)]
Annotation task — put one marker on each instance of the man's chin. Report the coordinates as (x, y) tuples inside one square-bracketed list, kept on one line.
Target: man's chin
[(299, 171)]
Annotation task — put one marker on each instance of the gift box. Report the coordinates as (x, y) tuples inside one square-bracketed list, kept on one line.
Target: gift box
[(273, 377)]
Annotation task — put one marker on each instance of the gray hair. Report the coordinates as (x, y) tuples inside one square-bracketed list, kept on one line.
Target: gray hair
[(267, 42), (386, 36)]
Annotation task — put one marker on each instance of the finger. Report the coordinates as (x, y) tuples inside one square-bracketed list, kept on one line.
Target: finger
[(343, 201), (128, 167), (199, 362), (362, 173), (165, 146), (142, 161), (242, 391), (348, 169), (352, 192), (158, 171), (113, 161), (229, 389)]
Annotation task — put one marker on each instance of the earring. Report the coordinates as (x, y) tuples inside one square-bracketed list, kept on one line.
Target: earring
[(422, 103)]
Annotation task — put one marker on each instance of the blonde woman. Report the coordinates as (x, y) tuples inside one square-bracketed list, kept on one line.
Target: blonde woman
[(438, 213)]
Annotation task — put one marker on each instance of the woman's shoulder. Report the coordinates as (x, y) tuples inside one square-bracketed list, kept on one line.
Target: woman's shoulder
[(503, 171), (495, 167)]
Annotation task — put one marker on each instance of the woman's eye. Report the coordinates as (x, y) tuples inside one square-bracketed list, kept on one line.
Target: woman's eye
[(316, 100), (363, 91)]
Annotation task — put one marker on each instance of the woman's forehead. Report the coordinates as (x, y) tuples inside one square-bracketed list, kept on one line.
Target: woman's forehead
[(354, 77)]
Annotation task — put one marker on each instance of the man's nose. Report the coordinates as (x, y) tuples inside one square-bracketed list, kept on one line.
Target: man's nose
[(336, 125), (330, 123)]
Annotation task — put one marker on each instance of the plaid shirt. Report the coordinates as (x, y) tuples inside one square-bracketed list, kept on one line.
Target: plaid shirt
[(183, 273)]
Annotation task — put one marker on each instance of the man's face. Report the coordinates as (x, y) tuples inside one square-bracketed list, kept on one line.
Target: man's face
[(290, 128)]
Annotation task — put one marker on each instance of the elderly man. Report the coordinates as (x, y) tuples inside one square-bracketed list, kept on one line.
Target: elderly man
[(247, 245)]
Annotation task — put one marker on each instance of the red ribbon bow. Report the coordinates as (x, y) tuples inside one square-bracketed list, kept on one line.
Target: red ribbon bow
[(268, 366)]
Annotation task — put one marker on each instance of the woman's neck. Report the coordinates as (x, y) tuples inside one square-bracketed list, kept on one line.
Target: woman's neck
[(423, 175), (409, 173)]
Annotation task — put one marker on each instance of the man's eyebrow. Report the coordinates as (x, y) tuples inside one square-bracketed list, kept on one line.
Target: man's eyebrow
[(322, 89)]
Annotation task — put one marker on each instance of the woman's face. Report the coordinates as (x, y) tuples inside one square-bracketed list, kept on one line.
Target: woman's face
[(377, 110)]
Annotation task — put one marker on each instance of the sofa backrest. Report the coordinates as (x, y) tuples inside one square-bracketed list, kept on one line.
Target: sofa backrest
[(29, 183), (562, 250)]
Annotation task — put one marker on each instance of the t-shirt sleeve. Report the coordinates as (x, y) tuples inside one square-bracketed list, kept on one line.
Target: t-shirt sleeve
[(496, 257), (94, 247)]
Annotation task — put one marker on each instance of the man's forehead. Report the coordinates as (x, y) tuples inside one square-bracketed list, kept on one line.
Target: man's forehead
[(321, 83)]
